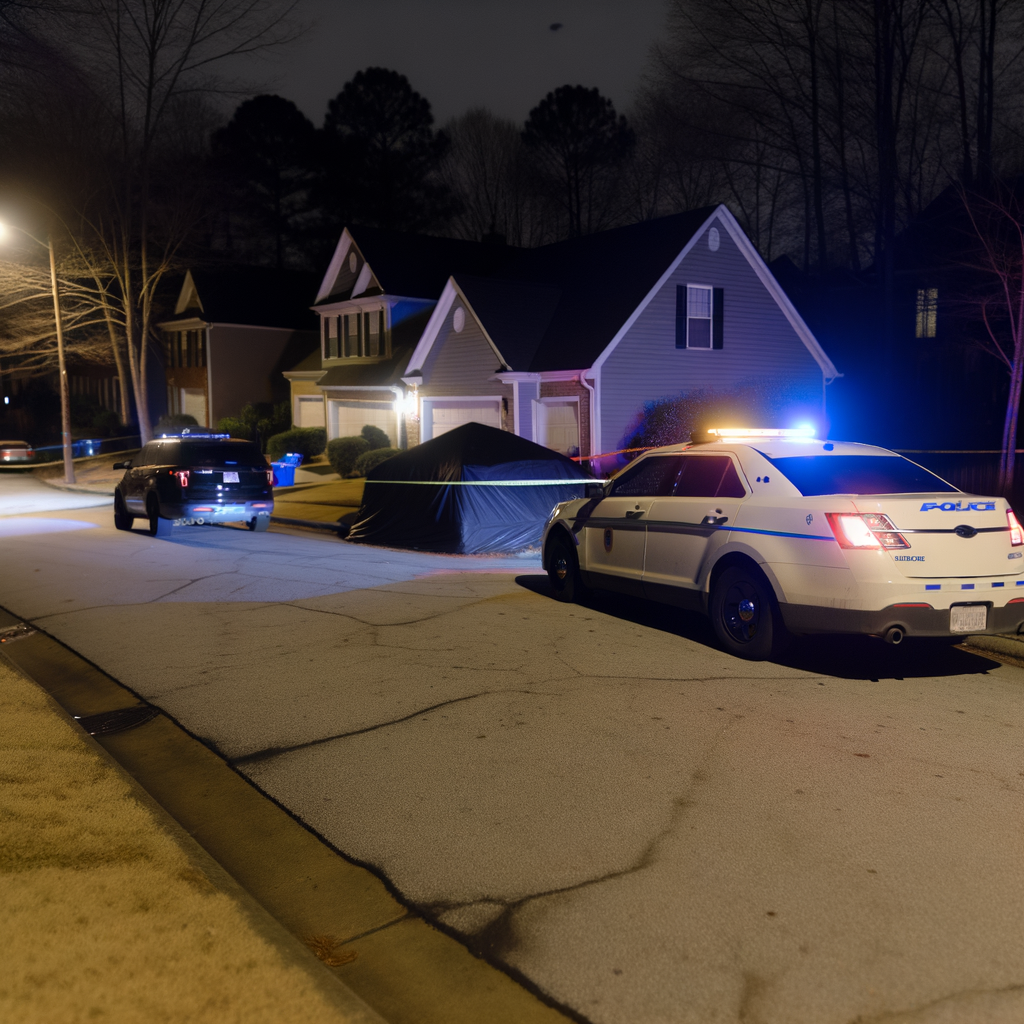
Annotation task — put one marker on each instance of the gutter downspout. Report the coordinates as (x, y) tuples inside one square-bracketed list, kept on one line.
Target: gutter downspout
[(593, 414), (209, 378)]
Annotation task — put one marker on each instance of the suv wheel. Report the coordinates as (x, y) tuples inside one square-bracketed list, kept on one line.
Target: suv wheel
[(744, 614), (157, 527), (259, 524), (122, 520)]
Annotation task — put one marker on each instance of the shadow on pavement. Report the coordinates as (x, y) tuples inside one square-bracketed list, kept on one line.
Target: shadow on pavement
[(845, 657)]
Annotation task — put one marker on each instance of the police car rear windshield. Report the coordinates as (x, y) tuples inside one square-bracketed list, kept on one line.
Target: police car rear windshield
[(217, 453), (857, 474)]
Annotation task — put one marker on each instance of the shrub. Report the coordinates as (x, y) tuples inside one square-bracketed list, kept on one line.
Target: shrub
[(262, 416), (375, 437), (309, 442), (343, 452), (374, 457), (173, 423), (107, 423)]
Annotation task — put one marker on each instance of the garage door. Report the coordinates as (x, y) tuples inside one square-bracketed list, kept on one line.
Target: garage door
[(309, 411), (446, 415), (348, 417)]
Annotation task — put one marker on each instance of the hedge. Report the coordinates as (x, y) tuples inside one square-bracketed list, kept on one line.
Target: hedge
[(374, 457), (375, 437), (343, 452), (309, 442)]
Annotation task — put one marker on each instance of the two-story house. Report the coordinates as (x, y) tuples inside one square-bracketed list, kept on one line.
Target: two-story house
[(563, 344)]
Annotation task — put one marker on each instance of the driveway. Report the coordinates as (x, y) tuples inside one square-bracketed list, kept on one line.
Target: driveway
[(644, 828)]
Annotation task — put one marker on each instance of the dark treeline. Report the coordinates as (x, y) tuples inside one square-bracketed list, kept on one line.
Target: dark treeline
[(825, 125)]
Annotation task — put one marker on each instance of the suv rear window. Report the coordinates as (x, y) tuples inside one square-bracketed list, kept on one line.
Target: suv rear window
[(857, 474), (217, 453)]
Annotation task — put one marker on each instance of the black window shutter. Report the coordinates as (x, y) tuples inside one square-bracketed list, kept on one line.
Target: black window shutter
[(717, 318), (680, 316)]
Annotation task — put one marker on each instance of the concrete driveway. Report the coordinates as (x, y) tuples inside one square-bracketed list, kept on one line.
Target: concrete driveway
[(645, 828)]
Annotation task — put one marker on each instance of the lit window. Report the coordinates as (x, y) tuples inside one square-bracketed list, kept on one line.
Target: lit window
[(927, 311), (698, 316)]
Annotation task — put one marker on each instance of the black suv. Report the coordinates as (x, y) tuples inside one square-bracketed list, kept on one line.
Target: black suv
[(195, 479)]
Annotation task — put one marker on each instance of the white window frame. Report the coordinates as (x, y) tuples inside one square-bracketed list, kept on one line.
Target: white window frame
[(710, 317)]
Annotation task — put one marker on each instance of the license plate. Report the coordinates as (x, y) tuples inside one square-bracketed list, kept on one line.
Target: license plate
[(968, 618), (229, 510), (231, 478)]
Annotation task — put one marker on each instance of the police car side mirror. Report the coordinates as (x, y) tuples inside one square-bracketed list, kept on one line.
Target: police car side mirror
[(595, 490), (127, 464)]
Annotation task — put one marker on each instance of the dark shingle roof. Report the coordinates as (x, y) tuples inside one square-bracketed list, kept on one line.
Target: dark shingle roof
[(256, 296), (551, 308)]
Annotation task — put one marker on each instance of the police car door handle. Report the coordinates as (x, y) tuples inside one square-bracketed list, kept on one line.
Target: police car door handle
[(714, 521), (634, 513)]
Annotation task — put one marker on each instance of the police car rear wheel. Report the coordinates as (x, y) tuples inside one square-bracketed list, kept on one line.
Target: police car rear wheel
[(743, 614), (259, 524), (122, 520), (564, 571), (157, 527)]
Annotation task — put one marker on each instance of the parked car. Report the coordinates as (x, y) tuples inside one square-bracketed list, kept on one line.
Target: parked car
[(192, 480), (16, 451), (772, 534)]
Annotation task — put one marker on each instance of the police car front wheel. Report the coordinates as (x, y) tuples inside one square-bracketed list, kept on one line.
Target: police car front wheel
[(744, 614)]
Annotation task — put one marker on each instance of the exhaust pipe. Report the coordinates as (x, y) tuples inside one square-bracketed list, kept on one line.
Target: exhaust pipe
[(894, 635)]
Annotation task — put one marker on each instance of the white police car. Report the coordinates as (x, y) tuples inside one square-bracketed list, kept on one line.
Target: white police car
[(771, 532)]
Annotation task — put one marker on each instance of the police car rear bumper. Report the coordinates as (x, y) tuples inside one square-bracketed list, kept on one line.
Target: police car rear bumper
[(216, 512), (803, 619)]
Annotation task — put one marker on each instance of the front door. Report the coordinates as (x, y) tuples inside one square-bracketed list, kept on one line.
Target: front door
[(707, 495), (614, 535)]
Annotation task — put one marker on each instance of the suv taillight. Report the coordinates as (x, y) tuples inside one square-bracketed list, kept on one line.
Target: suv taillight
[(182, 475), (1016, 533), (270, 477), (865, 531)]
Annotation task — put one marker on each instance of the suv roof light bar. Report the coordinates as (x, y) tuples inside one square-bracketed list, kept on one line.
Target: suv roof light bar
[(762, 431)]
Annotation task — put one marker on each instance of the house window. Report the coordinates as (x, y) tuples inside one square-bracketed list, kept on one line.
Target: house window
[(331, 348), (699, 316), (927, 312)]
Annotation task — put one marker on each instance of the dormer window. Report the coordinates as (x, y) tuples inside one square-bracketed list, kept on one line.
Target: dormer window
[(360, 334)]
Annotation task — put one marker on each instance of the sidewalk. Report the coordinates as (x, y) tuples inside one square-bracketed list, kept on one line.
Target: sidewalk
[(111, 910)]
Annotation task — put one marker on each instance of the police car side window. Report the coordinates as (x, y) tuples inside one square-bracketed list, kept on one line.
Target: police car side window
[(651, 478), (708, 476), (145, 457)]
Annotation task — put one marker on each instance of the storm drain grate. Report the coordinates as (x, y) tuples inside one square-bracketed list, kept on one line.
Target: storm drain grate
[(108, 722), (18, 632)]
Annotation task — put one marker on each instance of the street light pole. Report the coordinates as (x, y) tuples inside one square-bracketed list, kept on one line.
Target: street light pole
[(65, 397)]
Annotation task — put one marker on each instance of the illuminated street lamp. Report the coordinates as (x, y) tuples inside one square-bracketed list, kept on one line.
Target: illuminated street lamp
[(65, 402)]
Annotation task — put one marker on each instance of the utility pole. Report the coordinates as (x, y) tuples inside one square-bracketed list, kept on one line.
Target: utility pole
[(65, 398)]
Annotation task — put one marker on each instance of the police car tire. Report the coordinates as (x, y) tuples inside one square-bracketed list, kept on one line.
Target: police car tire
[(564, 570), (744, 614), (259, 524), (157, 527), (122, 520)]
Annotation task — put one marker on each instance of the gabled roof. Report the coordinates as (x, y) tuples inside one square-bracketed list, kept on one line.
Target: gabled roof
[(413, 266), (253, 296)]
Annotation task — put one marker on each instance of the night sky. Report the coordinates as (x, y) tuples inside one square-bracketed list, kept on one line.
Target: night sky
[(501, 54)]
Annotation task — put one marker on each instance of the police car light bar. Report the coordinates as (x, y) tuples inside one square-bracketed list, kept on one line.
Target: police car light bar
[(807, 431)]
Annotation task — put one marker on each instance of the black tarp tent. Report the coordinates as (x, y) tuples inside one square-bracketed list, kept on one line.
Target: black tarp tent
[(473, 490)]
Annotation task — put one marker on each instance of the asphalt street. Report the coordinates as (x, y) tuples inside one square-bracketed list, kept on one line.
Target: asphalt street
[(646, 828)]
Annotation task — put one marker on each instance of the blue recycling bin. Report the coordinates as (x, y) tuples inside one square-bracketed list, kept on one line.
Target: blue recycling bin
[(284, 469)]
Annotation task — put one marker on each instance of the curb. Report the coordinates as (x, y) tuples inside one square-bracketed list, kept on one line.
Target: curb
[(1006, 644), (75, 489)]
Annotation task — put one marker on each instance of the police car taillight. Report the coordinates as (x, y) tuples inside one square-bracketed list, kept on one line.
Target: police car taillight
[(865, 531), (182, 475), (1016, 533)]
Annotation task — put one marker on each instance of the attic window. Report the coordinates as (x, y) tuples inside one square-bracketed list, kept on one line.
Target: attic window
[(459, 320), (353, 262), (700, 316), (714, 240), (927, 312)]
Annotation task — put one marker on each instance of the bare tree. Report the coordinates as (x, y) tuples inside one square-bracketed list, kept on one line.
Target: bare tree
[(158, 58), (996, 263)]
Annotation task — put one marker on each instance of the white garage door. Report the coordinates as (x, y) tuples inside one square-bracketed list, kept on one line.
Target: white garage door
[(193, 402), (445, 415), (309, 411), (348, 417)]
